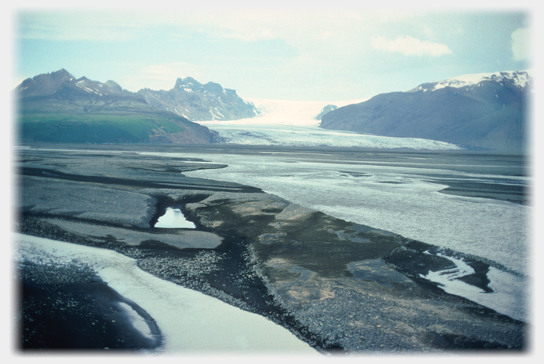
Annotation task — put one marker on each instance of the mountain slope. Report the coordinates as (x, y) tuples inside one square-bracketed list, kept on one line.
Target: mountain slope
[(484, 111), (325, 110), (56, 107), (198, 102)]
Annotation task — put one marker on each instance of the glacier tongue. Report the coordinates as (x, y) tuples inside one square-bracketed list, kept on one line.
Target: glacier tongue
[(293, 123)]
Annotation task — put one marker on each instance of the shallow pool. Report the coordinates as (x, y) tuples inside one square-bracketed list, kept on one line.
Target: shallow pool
[(173, 219)]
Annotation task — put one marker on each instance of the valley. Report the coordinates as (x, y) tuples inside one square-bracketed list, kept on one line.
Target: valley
[(334, 284)]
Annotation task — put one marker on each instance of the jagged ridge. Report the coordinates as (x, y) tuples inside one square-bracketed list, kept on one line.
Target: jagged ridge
[(195, 101), (57, 107)]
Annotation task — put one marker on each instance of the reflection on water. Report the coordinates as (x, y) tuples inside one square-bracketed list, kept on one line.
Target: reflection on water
[(172, 219)]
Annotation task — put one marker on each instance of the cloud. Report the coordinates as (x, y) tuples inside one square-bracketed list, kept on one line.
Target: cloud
[(410, 46), (520, 44)]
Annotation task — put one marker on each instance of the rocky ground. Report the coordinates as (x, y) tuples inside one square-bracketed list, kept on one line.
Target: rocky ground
[(339, 286)]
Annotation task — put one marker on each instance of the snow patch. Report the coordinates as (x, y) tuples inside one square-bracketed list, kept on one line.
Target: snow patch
[(448, 278), (519, 78)]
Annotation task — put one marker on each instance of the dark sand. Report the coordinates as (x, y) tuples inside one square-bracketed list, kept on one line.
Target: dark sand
[(70, 308), (339, 286)]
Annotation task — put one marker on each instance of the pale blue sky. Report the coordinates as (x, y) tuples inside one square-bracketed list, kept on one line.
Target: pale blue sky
[(308, 53)]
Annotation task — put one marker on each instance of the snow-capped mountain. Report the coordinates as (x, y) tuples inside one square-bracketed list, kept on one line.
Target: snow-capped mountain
[(195, 101), (515, 78), (487, 111)]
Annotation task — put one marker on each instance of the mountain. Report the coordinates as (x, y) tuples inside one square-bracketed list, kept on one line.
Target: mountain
[(57, 107), (195, 101), (487, 111), (325, 110)]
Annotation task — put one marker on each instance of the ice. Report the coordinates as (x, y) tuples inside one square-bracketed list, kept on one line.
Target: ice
[(190, 321), (293, 123), (174, 218), (282, 112), (292, 135)]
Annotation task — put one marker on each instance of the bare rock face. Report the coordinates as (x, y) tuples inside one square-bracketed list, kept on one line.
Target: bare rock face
[(195, 101), (57, 107), (326, 110)]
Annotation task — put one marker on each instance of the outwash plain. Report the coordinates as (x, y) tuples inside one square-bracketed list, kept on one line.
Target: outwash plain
[(338, 286)]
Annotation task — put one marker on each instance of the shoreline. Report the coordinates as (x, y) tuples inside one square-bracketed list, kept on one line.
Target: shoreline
[(82, 312), (204, 323), (259, 266)]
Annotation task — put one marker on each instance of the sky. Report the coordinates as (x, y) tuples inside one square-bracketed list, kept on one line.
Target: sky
[(307, 53)]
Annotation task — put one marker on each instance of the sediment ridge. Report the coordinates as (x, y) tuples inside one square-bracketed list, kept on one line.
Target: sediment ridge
[(339, 286)]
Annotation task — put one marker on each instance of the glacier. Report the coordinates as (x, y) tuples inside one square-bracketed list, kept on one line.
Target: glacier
[(293, 123)]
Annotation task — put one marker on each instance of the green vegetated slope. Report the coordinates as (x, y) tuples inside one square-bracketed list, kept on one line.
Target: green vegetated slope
[(93, 128), (57, 108)]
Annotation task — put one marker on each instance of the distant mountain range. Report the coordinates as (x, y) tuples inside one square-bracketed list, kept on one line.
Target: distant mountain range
[(487, 111), (195, 101), (482, 111), (57, 107)]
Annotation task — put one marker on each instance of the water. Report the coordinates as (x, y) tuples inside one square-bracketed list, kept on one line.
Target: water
[(173, 218), (401, 193), (398, 196), (484, 212), (189, 320)]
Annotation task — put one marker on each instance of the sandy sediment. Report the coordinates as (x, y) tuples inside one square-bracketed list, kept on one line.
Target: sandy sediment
[(334, 284)]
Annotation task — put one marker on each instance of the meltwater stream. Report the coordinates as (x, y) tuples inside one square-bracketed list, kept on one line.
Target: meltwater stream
[(401, 194), (190, 321)]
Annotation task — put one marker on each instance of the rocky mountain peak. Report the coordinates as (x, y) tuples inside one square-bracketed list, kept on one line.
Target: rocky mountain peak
[(113, 86), (213, 87), (43, 84), (194, 101), (86, 111), (188, 82), (514, 79), (485, 110)]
